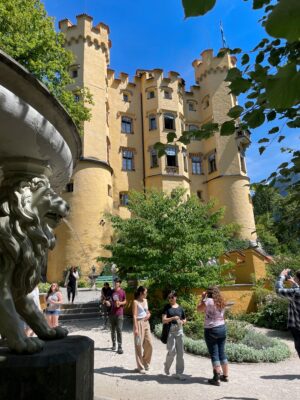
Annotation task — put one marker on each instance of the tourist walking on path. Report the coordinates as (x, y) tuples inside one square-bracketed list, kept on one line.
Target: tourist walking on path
[(293, 294), (106, 293), (141, 330), (71, 283), (54, 299), (174, 315), (213, 305), (117, 315)]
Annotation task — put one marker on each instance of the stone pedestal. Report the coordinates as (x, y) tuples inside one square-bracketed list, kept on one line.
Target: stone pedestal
[(64, 370)]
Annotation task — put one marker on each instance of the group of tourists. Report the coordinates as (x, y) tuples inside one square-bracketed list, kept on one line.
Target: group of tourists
[(173, 319), (113, 301)]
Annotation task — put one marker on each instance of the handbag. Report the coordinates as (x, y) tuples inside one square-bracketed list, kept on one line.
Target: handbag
[(165, 333)]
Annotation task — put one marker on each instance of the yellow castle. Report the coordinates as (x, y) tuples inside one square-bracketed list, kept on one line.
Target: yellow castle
[(128, 118)]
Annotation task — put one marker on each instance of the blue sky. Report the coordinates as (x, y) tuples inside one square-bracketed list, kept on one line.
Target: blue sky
[(154, 34)]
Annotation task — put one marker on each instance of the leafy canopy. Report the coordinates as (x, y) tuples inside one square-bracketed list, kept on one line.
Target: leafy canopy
[(269, 77), (28, 35), (277, 219), (168, 240)]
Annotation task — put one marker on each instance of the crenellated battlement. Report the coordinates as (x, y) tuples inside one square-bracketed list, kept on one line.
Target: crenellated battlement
[(97, 36), (209, 64)]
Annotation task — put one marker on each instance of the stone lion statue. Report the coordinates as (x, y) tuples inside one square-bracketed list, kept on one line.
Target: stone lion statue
[(29, 210)]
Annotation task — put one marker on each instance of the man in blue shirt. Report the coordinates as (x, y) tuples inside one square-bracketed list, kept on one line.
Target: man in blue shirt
[(293, 294)]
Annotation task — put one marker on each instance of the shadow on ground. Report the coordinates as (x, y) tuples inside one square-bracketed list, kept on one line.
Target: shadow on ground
[(131, 375), (283, 377)]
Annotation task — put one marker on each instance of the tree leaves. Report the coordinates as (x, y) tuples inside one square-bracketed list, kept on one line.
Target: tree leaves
[(255, 118), (194, 8), (28, 35), (166, 237), (283, 21), (283, 88), (171, 136), (227, 128), (235, 112)]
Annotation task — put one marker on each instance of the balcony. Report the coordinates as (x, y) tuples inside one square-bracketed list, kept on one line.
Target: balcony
[(243, 137), (171, 170)]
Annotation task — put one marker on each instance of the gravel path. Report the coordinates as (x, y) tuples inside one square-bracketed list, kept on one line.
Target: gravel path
[(115, 377)]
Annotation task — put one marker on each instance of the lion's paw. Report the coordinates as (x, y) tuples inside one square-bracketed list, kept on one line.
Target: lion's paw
[(27, 345), (60, 332)]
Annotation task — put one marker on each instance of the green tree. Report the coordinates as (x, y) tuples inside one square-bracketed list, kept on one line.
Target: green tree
[(168, 240), (277, 219), (28, 35), (269, 77)]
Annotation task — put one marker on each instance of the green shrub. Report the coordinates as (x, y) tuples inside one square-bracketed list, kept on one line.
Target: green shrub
[(240, 352), (82, 283), (257, 340), (195, 329), (273, 315), (237, 330), (44, 287)]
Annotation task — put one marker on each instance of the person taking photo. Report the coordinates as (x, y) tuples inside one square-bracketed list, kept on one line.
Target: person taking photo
[(293, 295)]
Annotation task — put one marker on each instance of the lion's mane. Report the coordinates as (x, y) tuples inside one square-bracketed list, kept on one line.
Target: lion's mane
[(24, 237)]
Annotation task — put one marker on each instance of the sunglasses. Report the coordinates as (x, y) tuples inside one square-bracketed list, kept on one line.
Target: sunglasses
[(171, 297)]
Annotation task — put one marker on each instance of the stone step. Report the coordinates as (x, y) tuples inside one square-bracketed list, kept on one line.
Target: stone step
[(91, 304), (90, 315), (79, 310)]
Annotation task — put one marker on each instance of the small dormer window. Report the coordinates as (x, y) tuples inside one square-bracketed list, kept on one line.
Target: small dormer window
[(151, 94), (191, 106), (125, 97), (167, 94)]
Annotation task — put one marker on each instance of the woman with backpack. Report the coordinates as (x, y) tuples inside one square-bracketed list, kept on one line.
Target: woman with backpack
[(174, 315)]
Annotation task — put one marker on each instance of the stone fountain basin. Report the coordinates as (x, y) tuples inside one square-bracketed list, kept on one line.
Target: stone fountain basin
[(36, 133)]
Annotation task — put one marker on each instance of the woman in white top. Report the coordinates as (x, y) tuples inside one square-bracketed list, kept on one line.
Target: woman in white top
[(53, 299), (141, 330), (213, 305)]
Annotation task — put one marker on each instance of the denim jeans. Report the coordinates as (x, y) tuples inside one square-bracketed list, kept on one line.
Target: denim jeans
[(215, 340)]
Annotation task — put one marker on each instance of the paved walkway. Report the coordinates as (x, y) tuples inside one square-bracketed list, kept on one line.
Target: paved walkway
[(115, 378)]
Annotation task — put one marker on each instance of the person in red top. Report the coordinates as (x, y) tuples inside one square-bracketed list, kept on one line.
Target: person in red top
[(118, 302)]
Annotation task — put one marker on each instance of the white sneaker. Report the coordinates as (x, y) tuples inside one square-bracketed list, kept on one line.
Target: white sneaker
[(140, 371), (167, 371), (179, 376)]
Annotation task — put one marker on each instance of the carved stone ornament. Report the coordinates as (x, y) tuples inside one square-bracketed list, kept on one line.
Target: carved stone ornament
[(39, 146)]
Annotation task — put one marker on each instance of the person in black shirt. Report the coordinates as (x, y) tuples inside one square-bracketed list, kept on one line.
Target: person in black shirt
[(174, 315), (106, 301), (71, 283)]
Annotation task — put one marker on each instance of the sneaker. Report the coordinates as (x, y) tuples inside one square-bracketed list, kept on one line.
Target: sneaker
[(140, 371), (179, 376), (147, 367), (167, 371), (120, 351), (114, 347), (224, 378)]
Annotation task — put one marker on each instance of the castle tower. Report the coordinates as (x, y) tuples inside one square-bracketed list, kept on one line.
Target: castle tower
[(224, 156), (90, 191)]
